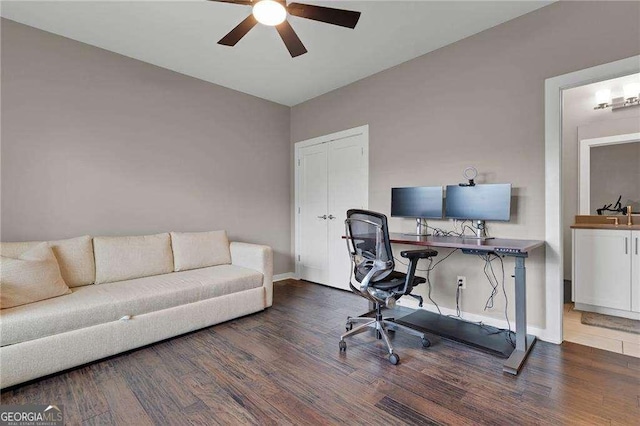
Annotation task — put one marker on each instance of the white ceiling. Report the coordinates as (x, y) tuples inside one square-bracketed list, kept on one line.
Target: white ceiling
[(182, 36)]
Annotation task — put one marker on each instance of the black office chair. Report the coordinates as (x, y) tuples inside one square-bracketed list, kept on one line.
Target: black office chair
[(373, 267)]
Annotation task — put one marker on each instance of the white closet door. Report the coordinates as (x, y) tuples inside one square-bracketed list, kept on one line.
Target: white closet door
[(348, 189), (313, 200), (331, 177)]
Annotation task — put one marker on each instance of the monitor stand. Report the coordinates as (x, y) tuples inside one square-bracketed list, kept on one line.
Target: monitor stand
[(421, 228), (481, 233)]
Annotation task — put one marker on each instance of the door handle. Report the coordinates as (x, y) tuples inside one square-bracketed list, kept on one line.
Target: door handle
[(637, 245), (626, 245), (324, 216), (332, 217)]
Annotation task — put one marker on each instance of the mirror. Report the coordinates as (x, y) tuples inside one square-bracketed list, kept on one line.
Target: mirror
[(610, 174)]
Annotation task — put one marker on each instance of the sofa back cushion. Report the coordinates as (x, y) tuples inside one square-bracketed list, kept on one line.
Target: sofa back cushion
[(14, 250), (193, 250), (74, 256), (34, 276), (125, 258)]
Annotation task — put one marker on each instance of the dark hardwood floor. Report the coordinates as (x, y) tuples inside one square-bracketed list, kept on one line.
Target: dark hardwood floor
[(282, 366)]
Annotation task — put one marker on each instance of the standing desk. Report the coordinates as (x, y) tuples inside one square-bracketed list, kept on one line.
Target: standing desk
[(518, 249)]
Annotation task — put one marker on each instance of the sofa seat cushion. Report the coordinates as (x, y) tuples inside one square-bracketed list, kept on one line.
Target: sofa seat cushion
[(92, 305)]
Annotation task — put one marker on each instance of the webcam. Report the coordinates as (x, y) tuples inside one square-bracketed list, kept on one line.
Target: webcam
[(470, 173)]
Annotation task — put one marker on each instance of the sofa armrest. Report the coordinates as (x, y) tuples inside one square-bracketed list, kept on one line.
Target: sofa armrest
[(258, 258)]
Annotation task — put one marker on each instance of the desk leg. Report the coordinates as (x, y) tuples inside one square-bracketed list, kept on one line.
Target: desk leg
[(523, 342)]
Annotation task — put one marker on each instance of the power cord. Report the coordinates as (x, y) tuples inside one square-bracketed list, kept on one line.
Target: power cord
[(494, 285), (506, 306), (439, 232), (430, 268), (458, 288), (493, 281)]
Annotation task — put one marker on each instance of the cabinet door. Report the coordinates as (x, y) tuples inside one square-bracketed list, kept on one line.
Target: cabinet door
[(635, 271), (603, 268)]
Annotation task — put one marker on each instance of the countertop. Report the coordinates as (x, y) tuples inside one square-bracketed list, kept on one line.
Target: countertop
[(621, 227), (601, 222)]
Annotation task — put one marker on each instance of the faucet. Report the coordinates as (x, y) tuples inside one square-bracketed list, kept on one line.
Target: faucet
[(629, 220), (615, 219)]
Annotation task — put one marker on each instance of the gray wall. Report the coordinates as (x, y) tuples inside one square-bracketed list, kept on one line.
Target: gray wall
[(615, 171), (97, 143), (476, 102), (581, 121)]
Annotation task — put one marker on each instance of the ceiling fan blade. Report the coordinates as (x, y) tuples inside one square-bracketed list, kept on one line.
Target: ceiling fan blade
[(291, 39), (329, 15), (240, 2), (239, 31)]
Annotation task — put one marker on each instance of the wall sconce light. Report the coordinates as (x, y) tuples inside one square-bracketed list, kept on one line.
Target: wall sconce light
[(603, 99), (631, 98), (631, 92)]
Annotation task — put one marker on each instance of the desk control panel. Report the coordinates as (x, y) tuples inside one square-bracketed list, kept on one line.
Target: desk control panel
[(476, 251), (494, 250), (507, 250)]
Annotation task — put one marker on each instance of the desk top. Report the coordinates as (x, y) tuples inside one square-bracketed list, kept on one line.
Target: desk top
[(494, 244)]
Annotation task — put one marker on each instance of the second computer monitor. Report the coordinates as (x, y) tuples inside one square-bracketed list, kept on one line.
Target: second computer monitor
[(421, 202), (479, 202)]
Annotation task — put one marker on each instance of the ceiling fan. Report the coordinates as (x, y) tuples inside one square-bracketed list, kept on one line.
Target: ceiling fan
[(274, 13)]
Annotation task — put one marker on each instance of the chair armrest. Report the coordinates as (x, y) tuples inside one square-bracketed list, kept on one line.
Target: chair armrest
[(256, 257), (418, 254), (414, 257)]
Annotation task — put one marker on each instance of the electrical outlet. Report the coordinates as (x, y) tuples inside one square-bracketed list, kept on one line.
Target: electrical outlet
[(462, 282)]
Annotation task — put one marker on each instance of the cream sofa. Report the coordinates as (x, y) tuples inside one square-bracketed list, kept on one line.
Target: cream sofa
[(127, 292)]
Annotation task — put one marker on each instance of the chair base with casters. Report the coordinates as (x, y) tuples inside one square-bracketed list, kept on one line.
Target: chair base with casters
[(373, 268), (382, 326)]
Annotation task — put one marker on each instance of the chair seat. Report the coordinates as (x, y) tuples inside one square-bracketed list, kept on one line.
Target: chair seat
[(396, 279)]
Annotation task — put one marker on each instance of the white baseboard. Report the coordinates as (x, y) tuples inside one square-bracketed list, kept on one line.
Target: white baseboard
[(494, 322), (285, 276)]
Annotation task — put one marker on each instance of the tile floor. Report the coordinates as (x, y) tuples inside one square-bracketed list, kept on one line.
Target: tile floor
[(598, 337)]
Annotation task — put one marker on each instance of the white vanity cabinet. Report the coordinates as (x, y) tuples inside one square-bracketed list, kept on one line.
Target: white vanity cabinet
[(606, 271)]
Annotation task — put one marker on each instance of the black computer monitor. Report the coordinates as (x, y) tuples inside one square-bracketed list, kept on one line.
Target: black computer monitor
[(421, 202), (479, 202)]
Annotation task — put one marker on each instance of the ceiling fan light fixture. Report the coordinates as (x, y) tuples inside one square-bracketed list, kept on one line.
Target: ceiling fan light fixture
[(274, 13), (269, 12)]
